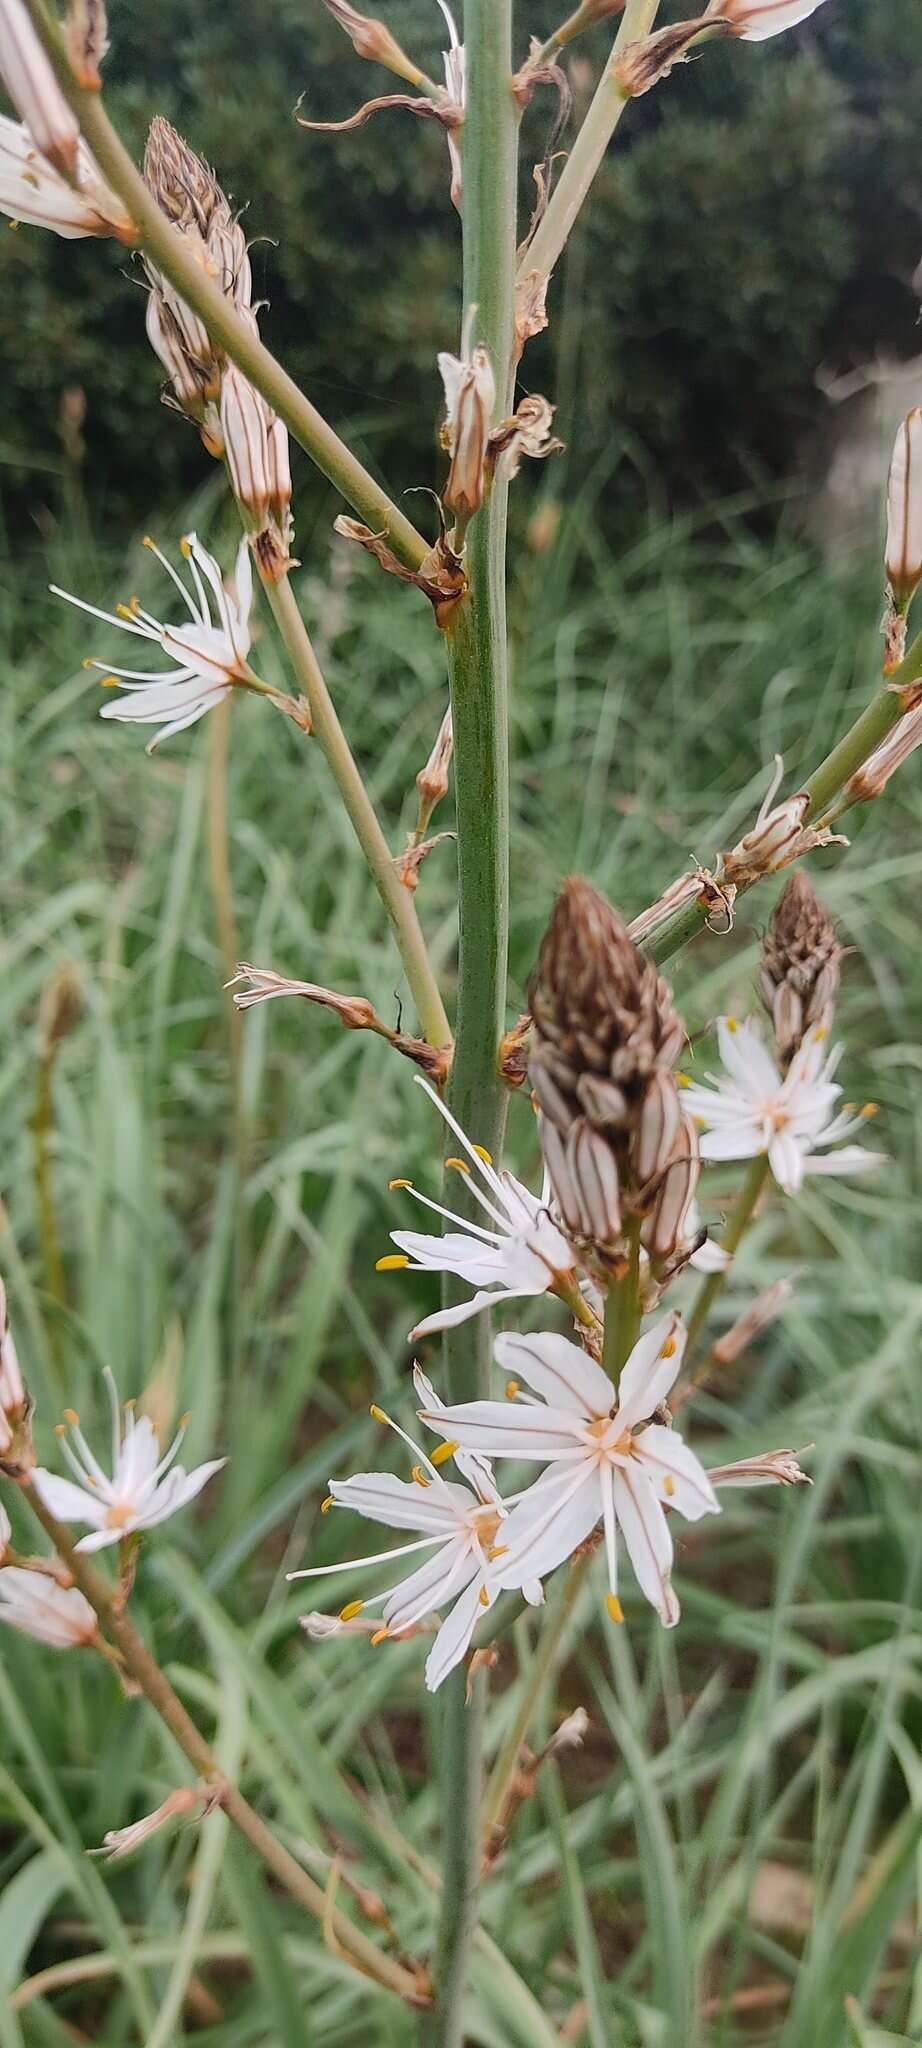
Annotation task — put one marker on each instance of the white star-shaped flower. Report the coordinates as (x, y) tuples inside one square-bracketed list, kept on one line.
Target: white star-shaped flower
[(209, 649), (33, 191), (458, 1523), (753, 1109), (606, 1460), (142, 1490), (525, 1252)]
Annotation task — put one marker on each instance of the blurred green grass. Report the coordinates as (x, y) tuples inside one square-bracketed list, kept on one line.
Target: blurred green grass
[(640, 1900)]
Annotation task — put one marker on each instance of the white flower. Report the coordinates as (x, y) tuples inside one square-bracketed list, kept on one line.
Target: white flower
[(756, 20), (752, 1109), (524, 1254), (903, 553), (13, 1401), (38, 1606), (209, 657), (33, 191), (5, 1533), (601, 1462), (27, 74), (144, 1488), (457, 1523)]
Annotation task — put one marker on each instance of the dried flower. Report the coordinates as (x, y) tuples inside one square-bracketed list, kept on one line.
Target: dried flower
[(799, 965), (209, 658), (86, 40), (440, 575), (470, 397), (446, 107), (646, 62), (604, 1042), (17, 1457), (778, 837), (523, 1254), (254, 985), (184, 186), (760, 1314), (875, 772), (54, 1614), (245, 422), (142, 1490), (122, 1842), (768, 1468), (527, 432), (752, 1109), (36, 95)]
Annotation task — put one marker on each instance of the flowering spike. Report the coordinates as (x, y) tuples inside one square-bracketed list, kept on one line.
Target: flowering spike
[(799, 966)]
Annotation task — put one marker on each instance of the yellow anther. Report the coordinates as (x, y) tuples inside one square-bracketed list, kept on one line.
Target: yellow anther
[(669, 1348), (184, 548), (88, 662), (70, 1415), (351, 1609), (444, 1452), (393, 1262), (147, 542), (669, 1485), (484, 1597), (870, 1109), (132, 1404), (820, 1033), (701, 1121), (420, 1477), (379, 1414), (684, 1080), (497, 1550), (392, 1184), (105, 682), (732, 1024), (512, 1388), (124, 611), (59, 1429), (460, 1165), (327, 1504), (380, 1636), (615, 1609), (482, 1153)]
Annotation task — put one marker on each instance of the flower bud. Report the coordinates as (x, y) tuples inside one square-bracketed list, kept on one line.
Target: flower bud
[(17, 1457), (245, 424), (668, 1225), (86, 40), (185, 189), (756, 20), (875, 772), (763, 1311), (186, 377), (470, 397), (903, 555), (432, 780), (34, 90), (799, 965), (279, 469), (227, 249), (372, 40)]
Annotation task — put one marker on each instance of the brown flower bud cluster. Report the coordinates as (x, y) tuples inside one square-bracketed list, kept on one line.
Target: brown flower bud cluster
[(800, 965), (234, 420), (615, 1138)]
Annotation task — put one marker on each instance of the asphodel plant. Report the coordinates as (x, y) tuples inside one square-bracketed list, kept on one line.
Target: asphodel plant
[(621, 1254)]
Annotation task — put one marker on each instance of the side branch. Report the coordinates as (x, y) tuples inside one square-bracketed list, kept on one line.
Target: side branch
[(170, 252)]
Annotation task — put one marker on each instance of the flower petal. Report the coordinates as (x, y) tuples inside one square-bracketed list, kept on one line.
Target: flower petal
[(68, 1502), (506, 1429), (549, 1522), (560, 1371), (382, 1497), (454, 1635), (650, 1371), (675, 1471), (649, 1544)]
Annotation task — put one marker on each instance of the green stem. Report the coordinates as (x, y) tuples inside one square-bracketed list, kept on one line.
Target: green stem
[(738, 1222), (332, 741), (222, 891), (545, 1657), (42, 1127), (167, 248), (622, 1309), (477, 671), (588, 150), (869, 730), (103, 1597)]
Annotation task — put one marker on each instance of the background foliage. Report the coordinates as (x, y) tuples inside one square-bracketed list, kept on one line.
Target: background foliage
[(762, 216)]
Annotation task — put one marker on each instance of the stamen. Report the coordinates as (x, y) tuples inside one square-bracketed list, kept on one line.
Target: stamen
[(732, 1024), (484, 1597), (870, 1109), (379, 1415), (124, 611), (512, 1388), (482, 1153), (380, 1636), (60, 1429), (184, 548), (394, 1262), (71, 1416), (497, 1550), (392, 1184), (683, 1080), (351, 1609), (669, 1348), (615, 1609), (419, 1476), (669, 1485), (460, 1165), (444, 1452), (327, 1504), (105, 682)]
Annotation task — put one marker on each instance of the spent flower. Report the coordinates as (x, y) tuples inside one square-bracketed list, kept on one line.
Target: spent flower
[(38, 1606), (470, 399)]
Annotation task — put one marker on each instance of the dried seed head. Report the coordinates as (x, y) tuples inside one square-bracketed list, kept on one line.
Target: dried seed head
[(185, 188), (36, 95), (799, 965), (604, 1042)]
